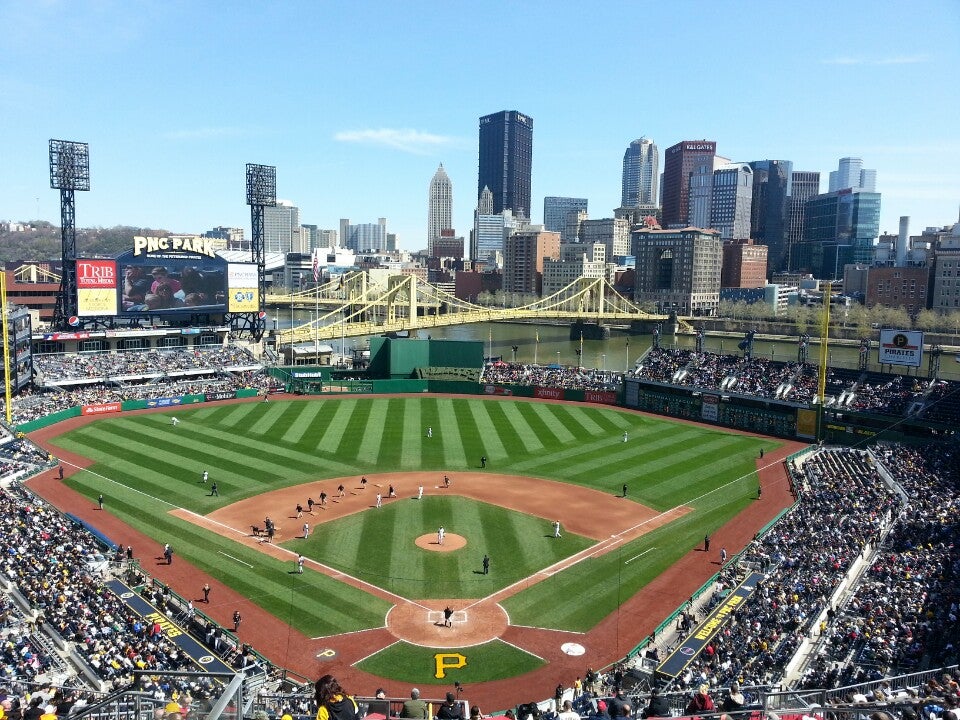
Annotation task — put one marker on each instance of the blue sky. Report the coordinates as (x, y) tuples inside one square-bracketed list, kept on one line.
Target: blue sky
[(357, 103)]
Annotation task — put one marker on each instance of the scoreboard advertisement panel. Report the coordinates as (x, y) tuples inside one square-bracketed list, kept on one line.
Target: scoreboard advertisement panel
[(96, 287), (244, 288)]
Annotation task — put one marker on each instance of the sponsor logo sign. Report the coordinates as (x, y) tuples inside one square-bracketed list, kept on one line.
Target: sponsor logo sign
[(101, 409), (496, 390), (96, 287), (223, 395), (600, 396), (901, 347), (548, 393), (164, 402), (243, 294), (709, 410), (148, 245), (67, 336)]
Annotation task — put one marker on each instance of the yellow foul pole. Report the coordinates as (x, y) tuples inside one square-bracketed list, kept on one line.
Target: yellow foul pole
[(824, 350), (6, 348)]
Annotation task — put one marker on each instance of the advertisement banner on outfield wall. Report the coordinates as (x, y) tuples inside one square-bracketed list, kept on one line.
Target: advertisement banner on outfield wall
[(709, 410), (496, 390), (96, 287), (548, 393), (806, 423), (901, 347), (600, 396), (101, 409), (223, 395)]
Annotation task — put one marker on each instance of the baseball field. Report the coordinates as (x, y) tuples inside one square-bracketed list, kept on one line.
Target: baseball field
[(379, 571)]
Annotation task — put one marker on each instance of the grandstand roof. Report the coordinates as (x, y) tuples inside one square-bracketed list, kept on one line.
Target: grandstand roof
[(271, 261)]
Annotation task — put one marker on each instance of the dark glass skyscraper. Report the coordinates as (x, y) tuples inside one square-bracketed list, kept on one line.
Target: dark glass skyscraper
[(839, 229), (772, 180), (506, 160)]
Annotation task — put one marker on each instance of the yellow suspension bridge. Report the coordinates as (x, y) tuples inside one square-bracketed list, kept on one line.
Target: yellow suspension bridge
[(404, 302)]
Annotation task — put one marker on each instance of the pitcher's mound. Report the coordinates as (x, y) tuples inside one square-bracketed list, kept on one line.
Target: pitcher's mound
[(451, 541)]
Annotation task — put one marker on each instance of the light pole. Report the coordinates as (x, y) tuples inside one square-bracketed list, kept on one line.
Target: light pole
[(558, 358), (626, 365), (603, 361)]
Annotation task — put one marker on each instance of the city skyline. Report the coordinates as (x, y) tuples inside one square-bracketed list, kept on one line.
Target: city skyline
[(172, 119)]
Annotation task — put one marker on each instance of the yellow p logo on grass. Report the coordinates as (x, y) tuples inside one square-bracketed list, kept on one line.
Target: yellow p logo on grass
[(447, 661)]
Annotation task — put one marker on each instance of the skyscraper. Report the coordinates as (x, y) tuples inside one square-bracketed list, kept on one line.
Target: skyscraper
[(679, 161), (281, 227), (731, 200), (555, 211), (524, 253), (851, 174), (439, 207), (839, 229), (772, 185), (363, 237), (804, 184), (641, 173), (506, 160)]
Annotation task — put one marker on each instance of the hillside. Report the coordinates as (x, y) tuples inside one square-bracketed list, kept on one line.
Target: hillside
[(42, 242)]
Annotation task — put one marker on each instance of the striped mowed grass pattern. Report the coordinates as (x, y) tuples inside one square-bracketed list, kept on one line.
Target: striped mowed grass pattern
[(145, 466)]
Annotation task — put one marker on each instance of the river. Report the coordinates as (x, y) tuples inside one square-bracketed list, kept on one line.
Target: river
[(621, 350)]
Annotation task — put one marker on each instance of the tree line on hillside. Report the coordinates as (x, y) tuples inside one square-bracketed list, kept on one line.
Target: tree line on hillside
[(861, 320), (40, 241)]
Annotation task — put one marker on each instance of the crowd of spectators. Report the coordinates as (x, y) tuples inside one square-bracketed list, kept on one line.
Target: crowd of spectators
[(49, 559), (886, 394), (53, 369), (116, 377), (555, 376), (904, 611), (842, 508), (857, 390), (757, 377)]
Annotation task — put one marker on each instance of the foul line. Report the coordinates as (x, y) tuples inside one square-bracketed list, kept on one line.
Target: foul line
[(233, 558), (627, 562)]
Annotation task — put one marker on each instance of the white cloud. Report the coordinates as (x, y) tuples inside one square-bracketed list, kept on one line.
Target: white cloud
[(410, 141)]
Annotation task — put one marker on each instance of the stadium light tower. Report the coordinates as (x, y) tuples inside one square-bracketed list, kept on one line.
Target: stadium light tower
[(261, 194), (69, 172)]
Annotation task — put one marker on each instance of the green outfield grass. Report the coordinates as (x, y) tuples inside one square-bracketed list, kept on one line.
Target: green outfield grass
[(144, 467)]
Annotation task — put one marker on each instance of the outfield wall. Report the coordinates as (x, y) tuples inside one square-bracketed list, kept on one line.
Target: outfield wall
[(760, 415)]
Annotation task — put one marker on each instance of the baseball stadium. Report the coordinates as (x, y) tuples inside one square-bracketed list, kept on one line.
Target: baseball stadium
[(194, 524)]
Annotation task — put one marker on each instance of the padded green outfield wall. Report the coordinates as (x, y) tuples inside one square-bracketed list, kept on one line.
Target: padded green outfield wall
[(456, 354), (48, 420)]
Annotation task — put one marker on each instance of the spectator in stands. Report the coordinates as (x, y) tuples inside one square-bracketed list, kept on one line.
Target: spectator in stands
[(414, 707), (700, 703), (333, 703), (734, 700), (657, 707), (450, 709)]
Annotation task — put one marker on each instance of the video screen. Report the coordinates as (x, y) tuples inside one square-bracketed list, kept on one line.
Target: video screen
[(172, 285)]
